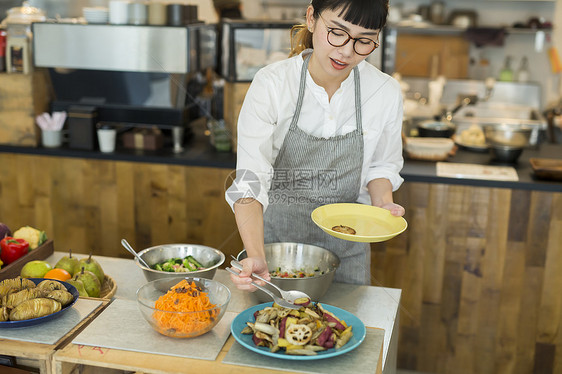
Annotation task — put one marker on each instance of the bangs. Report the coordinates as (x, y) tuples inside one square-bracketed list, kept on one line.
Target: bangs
[(370, 14)]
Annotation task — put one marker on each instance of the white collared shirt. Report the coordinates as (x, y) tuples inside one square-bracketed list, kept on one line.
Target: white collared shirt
[(268, 109)]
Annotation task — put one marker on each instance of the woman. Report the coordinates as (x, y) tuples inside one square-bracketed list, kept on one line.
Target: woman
[(323, 126)]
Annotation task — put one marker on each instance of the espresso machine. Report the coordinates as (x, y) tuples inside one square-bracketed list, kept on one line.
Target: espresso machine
[(126, 76)]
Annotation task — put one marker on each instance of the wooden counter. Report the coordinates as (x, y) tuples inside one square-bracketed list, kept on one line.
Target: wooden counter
[(66, 360)]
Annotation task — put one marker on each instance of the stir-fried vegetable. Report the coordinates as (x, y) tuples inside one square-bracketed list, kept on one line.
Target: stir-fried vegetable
[(179, 265), (299, 332)]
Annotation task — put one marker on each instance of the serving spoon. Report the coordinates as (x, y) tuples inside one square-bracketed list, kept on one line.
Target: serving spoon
[(290, 296), (128, 247), (278, 300)]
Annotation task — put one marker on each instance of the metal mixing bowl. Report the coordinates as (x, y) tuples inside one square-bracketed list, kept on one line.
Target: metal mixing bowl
[(209, 257), (508, 135), (505, 154), (295, 257)]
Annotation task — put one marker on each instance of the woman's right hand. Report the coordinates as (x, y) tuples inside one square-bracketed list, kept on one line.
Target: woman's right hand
[(250, 265)]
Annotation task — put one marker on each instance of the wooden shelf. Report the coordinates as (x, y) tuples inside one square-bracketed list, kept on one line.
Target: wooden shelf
[(430, 29)]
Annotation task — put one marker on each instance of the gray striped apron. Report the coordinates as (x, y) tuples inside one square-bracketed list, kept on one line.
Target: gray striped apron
[(310, 172)]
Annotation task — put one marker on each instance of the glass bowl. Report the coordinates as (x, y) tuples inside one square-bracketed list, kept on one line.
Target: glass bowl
[(183, 324)]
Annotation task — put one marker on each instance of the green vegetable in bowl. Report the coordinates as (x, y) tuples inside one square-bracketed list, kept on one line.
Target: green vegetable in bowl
[(179, 265)]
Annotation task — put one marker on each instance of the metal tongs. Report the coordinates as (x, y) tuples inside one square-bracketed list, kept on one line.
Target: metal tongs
[(287, 299)]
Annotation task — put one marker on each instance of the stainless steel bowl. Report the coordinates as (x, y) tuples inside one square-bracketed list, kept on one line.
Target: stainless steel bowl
[(297, 256), (505, 154), (508, 135), (209, 257)]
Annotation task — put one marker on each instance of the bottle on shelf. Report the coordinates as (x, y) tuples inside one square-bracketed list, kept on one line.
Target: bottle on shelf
[(2, 50), (482, 70), (523, 73), (506, 73)]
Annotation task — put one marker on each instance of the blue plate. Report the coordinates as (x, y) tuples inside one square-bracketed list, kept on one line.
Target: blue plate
[(240, 320), (35, 321)]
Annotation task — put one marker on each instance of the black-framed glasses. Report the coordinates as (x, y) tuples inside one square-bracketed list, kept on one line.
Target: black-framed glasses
[(338, 37)]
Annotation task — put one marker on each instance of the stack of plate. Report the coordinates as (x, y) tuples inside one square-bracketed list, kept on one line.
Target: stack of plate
[(96, 14)]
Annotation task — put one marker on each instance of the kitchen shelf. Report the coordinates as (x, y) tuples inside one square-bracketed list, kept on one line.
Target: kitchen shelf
[(430, 29), (391, 32)]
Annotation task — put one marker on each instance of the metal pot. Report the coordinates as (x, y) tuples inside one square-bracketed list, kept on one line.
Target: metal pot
[(436, 129)]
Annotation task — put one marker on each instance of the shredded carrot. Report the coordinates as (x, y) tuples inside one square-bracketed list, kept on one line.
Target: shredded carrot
[(185, 297)]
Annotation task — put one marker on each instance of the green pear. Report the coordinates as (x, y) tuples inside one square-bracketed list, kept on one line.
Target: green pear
[(79, 286), (35, 269), (91, 282), (68, 263), (92, 265)]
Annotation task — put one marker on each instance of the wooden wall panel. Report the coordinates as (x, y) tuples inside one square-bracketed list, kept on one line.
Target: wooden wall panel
[(490, 299), (416, 54), (90, 205)]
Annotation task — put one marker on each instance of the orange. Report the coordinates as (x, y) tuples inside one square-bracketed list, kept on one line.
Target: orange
[(58, 274)]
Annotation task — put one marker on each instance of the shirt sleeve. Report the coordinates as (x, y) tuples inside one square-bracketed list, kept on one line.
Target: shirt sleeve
[(256, 124), (387, 160)]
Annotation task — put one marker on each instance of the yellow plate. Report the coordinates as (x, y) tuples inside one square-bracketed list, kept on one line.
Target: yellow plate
[(370, 223)]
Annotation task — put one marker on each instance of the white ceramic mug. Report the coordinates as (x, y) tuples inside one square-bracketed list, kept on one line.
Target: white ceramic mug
[(106, 140), (51, 138), (118, 12)]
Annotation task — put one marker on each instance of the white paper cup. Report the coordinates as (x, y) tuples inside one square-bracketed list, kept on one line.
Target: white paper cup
[(106, 140), (51, 138)]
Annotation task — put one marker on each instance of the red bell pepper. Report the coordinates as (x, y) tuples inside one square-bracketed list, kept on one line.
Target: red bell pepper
[(12, 249)]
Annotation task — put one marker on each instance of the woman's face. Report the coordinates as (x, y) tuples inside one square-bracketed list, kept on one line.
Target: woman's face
[(335, 62)]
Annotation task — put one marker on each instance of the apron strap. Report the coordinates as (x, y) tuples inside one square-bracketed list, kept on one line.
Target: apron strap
[(302, 86), (358, 117)]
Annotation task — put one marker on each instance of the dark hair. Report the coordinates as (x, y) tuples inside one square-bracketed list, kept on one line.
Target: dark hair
[(370, 14)]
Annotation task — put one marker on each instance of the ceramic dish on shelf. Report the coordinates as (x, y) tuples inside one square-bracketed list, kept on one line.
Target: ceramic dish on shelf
[(361, 223), (547, 168), (35, 321), (358, 329)]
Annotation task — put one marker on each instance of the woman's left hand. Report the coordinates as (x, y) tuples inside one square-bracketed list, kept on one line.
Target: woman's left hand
[(395, 209)]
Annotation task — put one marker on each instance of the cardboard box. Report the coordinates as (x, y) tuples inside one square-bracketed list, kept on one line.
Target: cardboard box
[(147, 139)]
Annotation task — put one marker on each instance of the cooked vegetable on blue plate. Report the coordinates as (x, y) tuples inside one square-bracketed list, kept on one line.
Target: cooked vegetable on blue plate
[(179, 265), (24, 299), (306, 331)]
